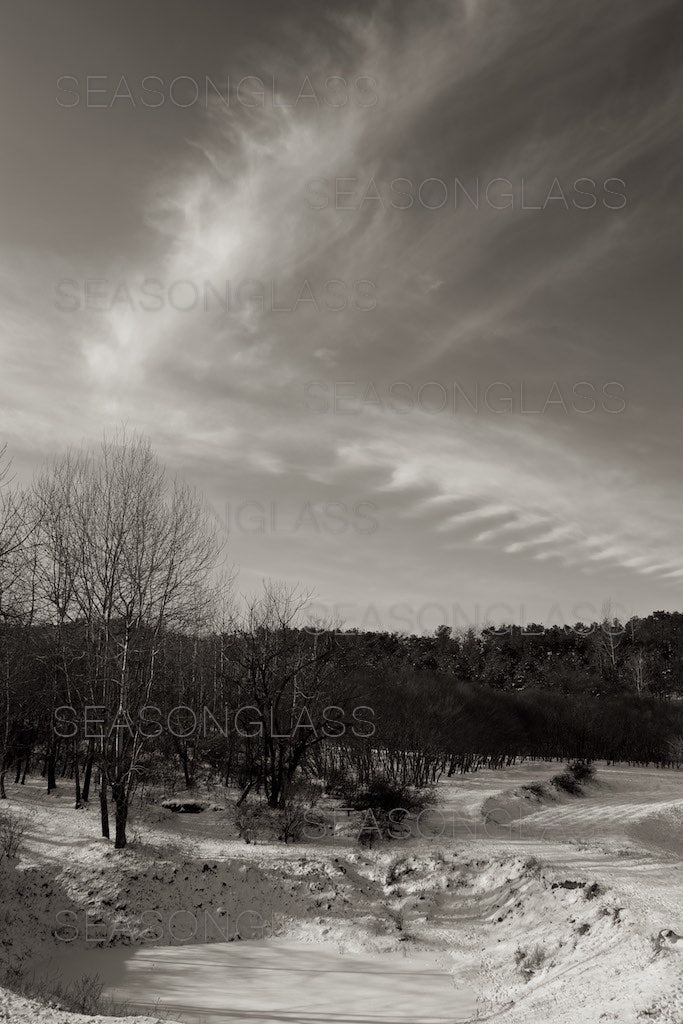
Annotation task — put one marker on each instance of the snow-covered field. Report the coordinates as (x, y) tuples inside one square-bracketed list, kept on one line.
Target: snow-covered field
[(502, 906)]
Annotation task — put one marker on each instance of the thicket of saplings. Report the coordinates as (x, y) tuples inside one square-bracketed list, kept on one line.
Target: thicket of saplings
[(109, 601)]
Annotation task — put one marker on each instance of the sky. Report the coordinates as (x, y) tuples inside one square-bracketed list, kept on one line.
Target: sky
[(396, 285)]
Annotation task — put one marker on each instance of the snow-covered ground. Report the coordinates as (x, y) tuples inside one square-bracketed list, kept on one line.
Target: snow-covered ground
[(533, 910), (276, 980)]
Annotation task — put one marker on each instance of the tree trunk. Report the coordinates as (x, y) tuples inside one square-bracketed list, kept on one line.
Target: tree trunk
[(120, 800), (244, 794), (77, 780), (51, 770), (274, 797), (86, 780), (189, 781), (104, 809)]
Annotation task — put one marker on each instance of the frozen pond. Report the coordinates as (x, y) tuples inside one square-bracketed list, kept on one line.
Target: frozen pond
[(273, 982)]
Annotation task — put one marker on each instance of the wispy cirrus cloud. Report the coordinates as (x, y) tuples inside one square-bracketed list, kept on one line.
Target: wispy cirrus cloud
[(526, 300)]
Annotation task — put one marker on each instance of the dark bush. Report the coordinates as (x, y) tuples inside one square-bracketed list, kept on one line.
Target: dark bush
[(536, 789), (383, 794), (291, 820), (339, 784), (386, 803), (591, 892), (298, 812), (583, 771), (567, 783)]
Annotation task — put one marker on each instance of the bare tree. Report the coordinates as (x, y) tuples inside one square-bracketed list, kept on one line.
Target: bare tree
[(606, 639), (129, 553), (294, 684), (17, 607)]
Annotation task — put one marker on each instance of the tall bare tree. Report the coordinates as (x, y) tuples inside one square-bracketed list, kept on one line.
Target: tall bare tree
[(16, 614), (129, 553)]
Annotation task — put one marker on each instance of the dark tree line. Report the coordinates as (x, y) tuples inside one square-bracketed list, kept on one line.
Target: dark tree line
[(643, 656)]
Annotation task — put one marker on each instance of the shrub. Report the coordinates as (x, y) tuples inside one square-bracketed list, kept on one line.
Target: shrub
[(386, 803), (306, 791), (567, 783), (291, 821), (292, 818), (401, 921), (572, 780), (529, 961), (83, 996), (591, 892), (383, 794), (285, 824), (398, 868), (339, 784), (582, 771), (13, 829), (253, 821), (536, 789)]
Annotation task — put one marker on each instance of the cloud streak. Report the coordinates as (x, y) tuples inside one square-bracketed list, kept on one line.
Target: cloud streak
[(528, 296)]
